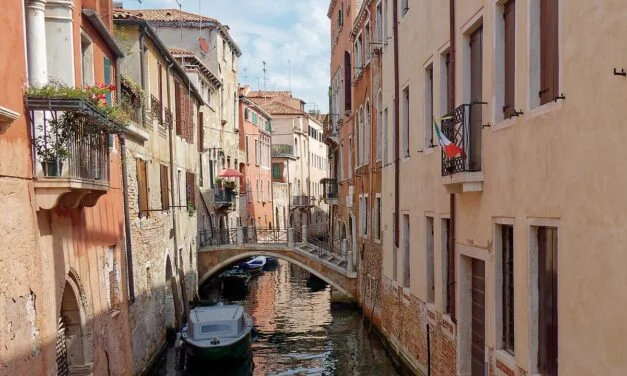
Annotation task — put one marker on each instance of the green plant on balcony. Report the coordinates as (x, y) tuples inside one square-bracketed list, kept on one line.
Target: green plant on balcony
[(230, 185), (191, 209), (52, 145), (219, 182)]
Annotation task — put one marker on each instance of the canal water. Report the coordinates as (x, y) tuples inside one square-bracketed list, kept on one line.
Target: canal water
[(300, 332)]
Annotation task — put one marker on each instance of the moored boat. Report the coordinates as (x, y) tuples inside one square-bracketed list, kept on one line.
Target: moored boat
[(235, 278), (256, 264), (218, 333)]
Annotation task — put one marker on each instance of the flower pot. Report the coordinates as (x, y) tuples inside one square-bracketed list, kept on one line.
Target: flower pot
[(50, 168)]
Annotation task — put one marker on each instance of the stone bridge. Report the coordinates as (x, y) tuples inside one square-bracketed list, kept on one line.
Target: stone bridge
[(334, 265)]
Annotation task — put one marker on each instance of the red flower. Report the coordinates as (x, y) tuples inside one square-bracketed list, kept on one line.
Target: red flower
[(112, 87)]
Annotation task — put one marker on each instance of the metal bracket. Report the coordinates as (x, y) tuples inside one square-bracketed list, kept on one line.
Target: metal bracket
[(562, 97), (621, 73)]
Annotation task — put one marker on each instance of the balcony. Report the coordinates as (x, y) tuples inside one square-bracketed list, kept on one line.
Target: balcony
[(156, 108), (283, 151), (224, 198), (462, 173), (70, 151), (302, 201), (330, 191), (167, 123)]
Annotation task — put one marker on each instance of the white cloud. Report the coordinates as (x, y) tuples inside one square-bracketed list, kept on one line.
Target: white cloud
[(275, 31)]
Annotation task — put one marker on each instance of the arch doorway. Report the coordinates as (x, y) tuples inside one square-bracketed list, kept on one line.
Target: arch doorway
[(73, 342)]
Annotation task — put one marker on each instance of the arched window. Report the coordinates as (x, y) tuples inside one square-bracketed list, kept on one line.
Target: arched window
[(367, 133), (379, 125)]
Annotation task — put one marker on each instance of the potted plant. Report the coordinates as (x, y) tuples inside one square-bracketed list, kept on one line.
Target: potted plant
[(219, 182), (52, 146)]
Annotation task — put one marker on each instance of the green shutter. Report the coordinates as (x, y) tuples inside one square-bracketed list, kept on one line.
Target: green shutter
[(107, 76)]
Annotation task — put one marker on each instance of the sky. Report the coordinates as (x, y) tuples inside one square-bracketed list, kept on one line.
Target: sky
[(291, 36)]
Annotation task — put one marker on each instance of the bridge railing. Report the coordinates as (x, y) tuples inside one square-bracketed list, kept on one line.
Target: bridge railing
[(266, 236), (216, 237)]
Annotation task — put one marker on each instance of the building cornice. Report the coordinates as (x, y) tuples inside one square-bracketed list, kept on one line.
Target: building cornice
[(331, 8)]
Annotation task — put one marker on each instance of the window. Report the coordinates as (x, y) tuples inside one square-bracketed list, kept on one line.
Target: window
[(379, 126), (247, 156), (367, 133), (549, 51), (385, 22), (360, 137), (406, 122), (379, 23), (224, 50), (341, 162), (246, 114), (257, 152), (363, 213), (428, 106), (367, 44), (547, 295), (404, 7), (476, 96), (448, 261), (257, 189), (509, 56), (142, 188), (505, 243), (249, 191), (430, 259), (165, 188), (394, 252), (445, 106), (385, 136), (190, 189), (406, 258), (347, 81), (160, 83), (376, 217), (276, 171), (358, 55), (87, 61), (350, 158), (107, 77)]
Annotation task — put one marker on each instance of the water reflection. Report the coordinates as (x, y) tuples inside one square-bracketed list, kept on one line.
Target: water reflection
[(299, 334)]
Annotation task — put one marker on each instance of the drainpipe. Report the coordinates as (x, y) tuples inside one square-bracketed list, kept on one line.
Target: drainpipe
[(127, 221), (451, 101), (142, 71), (396, 126), (171, 145)]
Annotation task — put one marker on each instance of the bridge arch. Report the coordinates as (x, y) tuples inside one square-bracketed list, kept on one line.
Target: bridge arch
[(240, 256)]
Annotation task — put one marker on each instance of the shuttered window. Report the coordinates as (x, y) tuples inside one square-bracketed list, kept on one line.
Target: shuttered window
[(201, 132), (549, 63), (179, 109), (347, 81), (142, 188), (160, 82), (165, 188), (509, 18), (507, 287), (107, 77), (190, 189), (476, 96), (547, 301)]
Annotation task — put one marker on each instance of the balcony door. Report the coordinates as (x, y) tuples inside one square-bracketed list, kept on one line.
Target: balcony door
[(476, 95)]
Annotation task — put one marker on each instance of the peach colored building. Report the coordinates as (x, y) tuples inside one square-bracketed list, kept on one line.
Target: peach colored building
[(64, 276), (255, 144)]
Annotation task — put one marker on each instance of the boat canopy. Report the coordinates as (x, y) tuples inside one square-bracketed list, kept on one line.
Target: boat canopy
[(217, 321)]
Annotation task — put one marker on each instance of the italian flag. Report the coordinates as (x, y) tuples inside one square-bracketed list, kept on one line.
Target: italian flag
[(449, 148)]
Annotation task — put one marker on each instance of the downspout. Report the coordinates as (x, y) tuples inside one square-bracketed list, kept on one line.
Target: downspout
[(127, 221), (396, 125), (451, 101), (171, 145)]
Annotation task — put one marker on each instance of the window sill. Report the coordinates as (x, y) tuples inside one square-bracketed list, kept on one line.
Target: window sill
[(502, 124), (429, 150), (544, 109)]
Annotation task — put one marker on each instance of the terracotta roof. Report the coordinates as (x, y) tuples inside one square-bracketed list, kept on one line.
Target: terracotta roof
[(179, 51), (277, 108), (161, 15), (266, 94)]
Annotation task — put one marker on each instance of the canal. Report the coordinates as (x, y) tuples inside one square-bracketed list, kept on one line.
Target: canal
[(300, 331)]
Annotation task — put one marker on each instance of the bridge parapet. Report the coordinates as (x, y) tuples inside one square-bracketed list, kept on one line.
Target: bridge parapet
[(333, 263)]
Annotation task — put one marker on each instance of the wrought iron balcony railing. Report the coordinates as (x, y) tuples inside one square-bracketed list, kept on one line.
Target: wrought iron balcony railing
[(330, 188), (299, 201), (456, 126), (282, 150), (156, 108), (224, 197), (168, 119), (70, 139)]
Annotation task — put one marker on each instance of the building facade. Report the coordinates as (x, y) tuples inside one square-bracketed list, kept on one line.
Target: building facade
[(64, 281), (161, 142), (474, 236), (256, 145)]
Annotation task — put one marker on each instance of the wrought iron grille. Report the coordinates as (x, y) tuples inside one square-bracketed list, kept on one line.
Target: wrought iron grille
[(217, 236), (456, 126), (301, 201), (223, 196), (131, 102), (70, 139), (156, 108), (168, 118), (61, 351), (266, 236)]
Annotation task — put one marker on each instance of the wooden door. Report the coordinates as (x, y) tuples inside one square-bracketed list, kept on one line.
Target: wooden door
[(547, 305), (477, 350), (476, 95)]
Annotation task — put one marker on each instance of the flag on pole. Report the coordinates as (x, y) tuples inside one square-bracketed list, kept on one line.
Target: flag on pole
[(449, 148)]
